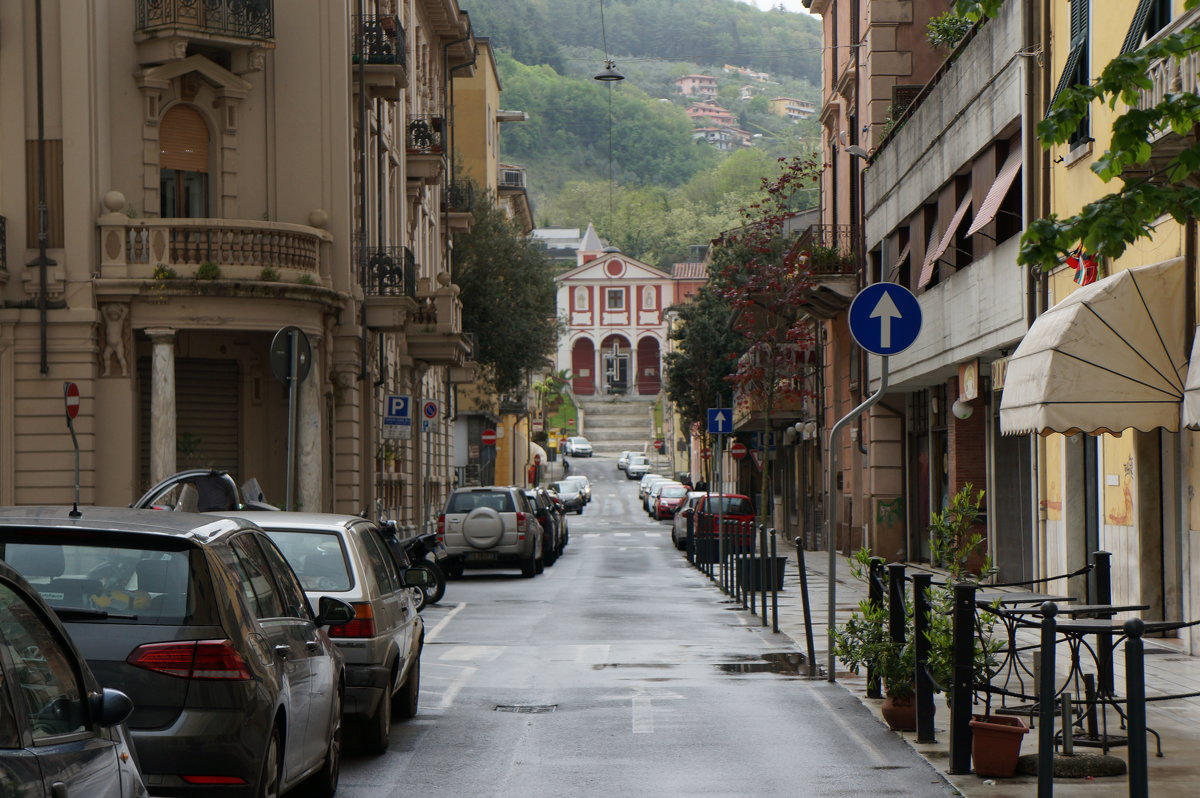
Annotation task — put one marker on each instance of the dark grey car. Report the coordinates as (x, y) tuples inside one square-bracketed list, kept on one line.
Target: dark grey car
[(60, 733), (236, 686)]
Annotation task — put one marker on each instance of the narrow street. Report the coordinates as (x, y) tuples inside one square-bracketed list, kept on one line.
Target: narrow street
[(622, 671)]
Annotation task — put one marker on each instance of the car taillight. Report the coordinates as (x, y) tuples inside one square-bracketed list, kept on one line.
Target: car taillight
[(441, 527), (213, 779), (363, 624), (192, 659)]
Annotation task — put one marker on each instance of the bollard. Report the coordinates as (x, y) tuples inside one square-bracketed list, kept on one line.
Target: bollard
[(746, 533), (808, 630), (875, 597), (1102, 568), (924, 685), (962, 678), (1068, 723), (897, 612), (1135, 687), (1046, 702), (774, 587), (762, 569)]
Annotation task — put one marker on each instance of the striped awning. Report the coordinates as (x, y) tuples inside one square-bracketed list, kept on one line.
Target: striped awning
[(997, 193), (932, 257)]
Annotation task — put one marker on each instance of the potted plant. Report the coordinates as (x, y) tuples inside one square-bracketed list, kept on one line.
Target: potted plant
[(865, 641), (954, 536)]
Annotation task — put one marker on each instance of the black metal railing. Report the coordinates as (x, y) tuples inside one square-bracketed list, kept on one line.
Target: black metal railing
[(391, 271), (379, 40), (245, 19), (829, 248), (425, 134), (460, 197), (3, 243)]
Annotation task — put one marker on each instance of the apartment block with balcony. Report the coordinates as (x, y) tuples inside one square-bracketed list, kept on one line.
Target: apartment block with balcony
[(703, 86), (214, 189)]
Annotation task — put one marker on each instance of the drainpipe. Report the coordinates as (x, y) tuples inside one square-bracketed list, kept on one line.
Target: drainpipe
[(43, 261), (362, 188), (450, 70)]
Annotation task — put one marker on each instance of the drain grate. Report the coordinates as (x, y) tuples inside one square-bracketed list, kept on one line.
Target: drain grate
[(526, 709)]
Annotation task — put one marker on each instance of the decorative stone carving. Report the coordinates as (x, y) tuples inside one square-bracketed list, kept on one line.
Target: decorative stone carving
[(114, 329)]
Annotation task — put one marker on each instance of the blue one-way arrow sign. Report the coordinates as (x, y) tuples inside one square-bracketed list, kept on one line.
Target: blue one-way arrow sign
[(885, 318), (720, 420)]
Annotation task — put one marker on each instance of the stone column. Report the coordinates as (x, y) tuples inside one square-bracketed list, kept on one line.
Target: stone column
[(308, 439), (162, 404)]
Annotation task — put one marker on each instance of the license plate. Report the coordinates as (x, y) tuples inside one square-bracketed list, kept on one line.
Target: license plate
[(476, 556)]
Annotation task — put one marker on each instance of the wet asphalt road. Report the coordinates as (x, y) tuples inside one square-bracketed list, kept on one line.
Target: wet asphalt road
[(622, 671)]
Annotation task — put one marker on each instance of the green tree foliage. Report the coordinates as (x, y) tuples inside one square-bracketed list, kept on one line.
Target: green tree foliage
[(507, 296), (1107, 226), (699, 367)]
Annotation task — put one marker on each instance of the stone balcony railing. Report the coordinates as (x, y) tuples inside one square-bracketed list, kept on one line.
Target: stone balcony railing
[(242, 19), (242, 249), (1172, 75), (435, 334)]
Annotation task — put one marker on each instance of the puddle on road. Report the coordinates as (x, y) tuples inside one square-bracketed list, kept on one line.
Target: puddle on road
[(783, 663), (606, 665)]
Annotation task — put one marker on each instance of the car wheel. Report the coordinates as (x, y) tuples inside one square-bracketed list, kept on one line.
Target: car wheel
[(551, 554), (579, 510), (268, 778), (324, 783), (454, 570), (405, 702), (377, 729), (529, 567)]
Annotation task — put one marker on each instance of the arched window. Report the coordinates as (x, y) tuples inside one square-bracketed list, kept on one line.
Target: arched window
[(581, 298), (183, 164)]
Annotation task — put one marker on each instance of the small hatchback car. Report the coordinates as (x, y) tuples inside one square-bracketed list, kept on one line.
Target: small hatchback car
[(346, 557), (236, 686), (491, 527), (60, 733)]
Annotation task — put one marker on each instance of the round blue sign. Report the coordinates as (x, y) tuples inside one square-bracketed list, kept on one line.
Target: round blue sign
[(885, 318)]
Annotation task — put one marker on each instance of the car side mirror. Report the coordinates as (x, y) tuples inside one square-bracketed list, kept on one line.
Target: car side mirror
[(686, 513), (109, 707), (417, 576), (333, 612)]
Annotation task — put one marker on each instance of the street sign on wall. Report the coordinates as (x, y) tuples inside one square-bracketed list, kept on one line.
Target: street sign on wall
[(397, 417)]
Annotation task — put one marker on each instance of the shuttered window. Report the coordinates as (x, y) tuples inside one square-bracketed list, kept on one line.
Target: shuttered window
[(183, 140), (54, 193), (207, 414)]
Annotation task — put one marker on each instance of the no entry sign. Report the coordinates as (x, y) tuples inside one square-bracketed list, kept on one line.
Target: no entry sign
[(71, 399), (488, 437), (737, 451)]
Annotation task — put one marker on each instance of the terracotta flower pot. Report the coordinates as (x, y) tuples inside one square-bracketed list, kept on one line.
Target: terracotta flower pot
[(996, 745), (900, 713)]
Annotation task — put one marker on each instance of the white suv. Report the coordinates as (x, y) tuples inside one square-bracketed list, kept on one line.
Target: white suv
[(491, 526)]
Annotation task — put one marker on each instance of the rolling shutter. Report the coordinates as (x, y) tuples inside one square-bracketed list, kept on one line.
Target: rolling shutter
[(183, 140), (207, 415)]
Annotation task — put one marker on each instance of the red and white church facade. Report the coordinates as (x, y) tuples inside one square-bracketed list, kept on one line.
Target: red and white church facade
[(613, 306)]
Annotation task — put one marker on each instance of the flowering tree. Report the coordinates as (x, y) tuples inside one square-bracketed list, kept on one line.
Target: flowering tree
[(765, 275)]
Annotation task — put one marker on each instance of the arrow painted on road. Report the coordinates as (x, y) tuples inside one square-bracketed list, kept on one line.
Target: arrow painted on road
[(885, 310)]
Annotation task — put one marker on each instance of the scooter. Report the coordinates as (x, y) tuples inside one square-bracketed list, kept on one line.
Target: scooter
[(424, 551)]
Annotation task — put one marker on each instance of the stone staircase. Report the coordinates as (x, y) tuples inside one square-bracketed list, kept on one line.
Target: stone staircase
[(614, 424)]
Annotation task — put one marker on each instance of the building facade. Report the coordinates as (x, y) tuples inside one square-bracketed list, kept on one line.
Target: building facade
[(703, 86)]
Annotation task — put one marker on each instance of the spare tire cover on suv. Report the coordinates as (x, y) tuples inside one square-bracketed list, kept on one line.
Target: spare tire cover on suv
[(483, 527)]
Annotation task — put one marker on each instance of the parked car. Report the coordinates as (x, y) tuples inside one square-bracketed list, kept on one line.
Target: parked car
[(551, 522), (203, 490), (623, 459), (570, 493), (647, 486), (682, 520), (585, 486), (202, 623), (670, 496), (347, 557), (724, 506), (579, 446), (490, 527), (637, 467), (654, 492), (58, 727)]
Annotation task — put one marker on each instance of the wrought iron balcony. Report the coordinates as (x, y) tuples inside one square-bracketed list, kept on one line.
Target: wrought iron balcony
[(425, 134), (380, 40), (460, 197), (829, 249), (391, 271), (240, 19), (3, 243)]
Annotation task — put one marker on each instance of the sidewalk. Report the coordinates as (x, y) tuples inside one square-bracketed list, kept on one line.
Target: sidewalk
[(1168, 671)]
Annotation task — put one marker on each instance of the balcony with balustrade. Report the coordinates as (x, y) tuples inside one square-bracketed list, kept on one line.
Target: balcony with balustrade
[(424, 147), (168, 30), (391, 287), (435, 333), (1168, 76), (378, 49)]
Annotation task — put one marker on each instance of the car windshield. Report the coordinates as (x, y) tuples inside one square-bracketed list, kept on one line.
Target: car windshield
[(141, 585), (566, 488), (673, 492), (465, 502), (317, 557), (638, 459), (729, 505)]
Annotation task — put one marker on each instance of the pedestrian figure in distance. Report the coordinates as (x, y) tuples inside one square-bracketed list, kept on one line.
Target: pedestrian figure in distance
[(566, 467)]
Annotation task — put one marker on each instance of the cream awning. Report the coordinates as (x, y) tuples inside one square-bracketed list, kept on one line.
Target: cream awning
[(1107, 358)]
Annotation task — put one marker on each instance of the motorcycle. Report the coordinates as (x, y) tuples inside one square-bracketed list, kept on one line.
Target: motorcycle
[(422, 551)]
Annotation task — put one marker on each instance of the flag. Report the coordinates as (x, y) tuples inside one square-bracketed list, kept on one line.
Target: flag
[(1087, 268)]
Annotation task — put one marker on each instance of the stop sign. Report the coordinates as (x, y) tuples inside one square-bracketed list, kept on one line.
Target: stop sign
[(488, 437), (71, 398), (737, 451)]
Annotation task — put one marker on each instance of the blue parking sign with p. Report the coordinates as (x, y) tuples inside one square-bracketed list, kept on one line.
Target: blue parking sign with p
[(398, 406), (398, 411)]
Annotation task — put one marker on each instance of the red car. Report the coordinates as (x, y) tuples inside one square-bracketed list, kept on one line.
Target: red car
[(724, 506), (668, 501)]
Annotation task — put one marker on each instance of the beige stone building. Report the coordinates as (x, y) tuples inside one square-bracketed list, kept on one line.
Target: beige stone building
[(206, 184)]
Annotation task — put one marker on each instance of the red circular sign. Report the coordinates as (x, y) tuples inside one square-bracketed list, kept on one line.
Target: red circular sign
[(706, 453), (658, 444), (737, 451), (488, 437), (71, 397)]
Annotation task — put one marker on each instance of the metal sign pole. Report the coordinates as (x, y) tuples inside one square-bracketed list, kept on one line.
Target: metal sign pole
[(293, 373), (831, 493)]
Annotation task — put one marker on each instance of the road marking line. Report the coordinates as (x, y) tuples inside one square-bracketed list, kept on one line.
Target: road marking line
[(456, 687), (469, 653), (643, 714), (880, 759), (433, 633), (622, 534)]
